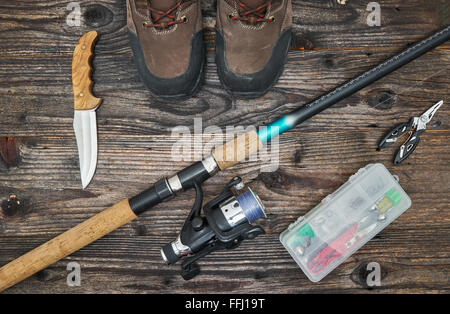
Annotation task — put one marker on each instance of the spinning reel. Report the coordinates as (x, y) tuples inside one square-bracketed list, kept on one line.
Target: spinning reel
[(225, 224)]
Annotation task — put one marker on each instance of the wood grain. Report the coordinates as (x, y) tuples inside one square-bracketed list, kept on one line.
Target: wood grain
[(81, 73), (332, 44), (29, 109)]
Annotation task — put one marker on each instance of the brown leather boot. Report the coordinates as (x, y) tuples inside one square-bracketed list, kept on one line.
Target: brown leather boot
[(167, 41), (252, 43)]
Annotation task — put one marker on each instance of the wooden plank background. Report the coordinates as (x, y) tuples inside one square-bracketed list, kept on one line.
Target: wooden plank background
[(40, 188)]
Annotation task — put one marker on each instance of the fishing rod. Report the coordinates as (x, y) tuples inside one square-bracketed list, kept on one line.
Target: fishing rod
[(193, 176)]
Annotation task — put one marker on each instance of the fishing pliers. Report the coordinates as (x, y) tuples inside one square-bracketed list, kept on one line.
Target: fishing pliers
[(415, 127)]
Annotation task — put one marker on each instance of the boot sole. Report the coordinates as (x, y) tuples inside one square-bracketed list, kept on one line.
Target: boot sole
[(183, 82), (183, 96)]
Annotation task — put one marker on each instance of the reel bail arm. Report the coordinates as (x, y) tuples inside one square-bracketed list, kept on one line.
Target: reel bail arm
[(226, 223)]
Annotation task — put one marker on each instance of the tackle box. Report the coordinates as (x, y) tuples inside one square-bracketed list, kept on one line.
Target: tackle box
[(345, 220)]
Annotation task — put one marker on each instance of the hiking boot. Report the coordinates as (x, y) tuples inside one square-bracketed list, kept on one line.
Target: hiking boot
[(167, 41), (252, 43)]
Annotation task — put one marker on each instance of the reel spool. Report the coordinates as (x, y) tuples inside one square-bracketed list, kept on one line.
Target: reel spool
[(227, 221)]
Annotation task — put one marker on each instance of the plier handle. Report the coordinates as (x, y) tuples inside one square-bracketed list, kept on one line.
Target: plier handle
[(415, 127)]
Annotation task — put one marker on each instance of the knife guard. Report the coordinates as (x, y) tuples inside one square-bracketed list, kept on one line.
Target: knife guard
[(82, 71)]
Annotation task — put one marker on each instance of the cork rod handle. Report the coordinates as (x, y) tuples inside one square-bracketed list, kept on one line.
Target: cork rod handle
[(65, 244), (237, 150)]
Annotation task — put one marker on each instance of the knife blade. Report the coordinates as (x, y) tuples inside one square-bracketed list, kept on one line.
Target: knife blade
[(85, 106)]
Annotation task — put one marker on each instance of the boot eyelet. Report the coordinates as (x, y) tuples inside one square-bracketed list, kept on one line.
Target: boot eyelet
[(184, 19), (145, 24), (271, 19), (230, 16)]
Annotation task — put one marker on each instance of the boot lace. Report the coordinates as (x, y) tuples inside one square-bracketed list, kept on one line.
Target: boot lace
[(163, 19), (253, 15)]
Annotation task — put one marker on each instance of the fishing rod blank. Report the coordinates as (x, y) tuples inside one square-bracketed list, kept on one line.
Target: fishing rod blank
[(296, 117)]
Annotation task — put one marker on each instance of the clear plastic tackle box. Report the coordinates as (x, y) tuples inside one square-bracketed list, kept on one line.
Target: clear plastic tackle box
[(345, 220)]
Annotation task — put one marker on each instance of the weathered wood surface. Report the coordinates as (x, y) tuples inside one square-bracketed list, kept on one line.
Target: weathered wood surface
[(40, 189)]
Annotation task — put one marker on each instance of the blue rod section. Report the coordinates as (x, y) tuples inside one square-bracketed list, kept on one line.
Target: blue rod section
[(275, 128)]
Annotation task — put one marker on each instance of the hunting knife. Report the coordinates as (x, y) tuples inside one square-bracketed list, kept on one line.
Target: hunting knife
[(84, 123)]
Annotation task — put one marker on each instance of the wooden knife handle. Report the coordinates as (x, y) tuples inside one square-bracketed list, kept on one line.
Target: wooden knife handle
[(65, 244), (81, 73)]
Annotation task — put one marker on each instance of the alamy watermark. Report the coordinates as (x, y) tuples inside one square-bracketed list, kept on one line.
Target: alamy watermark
[(74, 277), (374, 17), (74, 17), (196, 145), (374, 277)]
